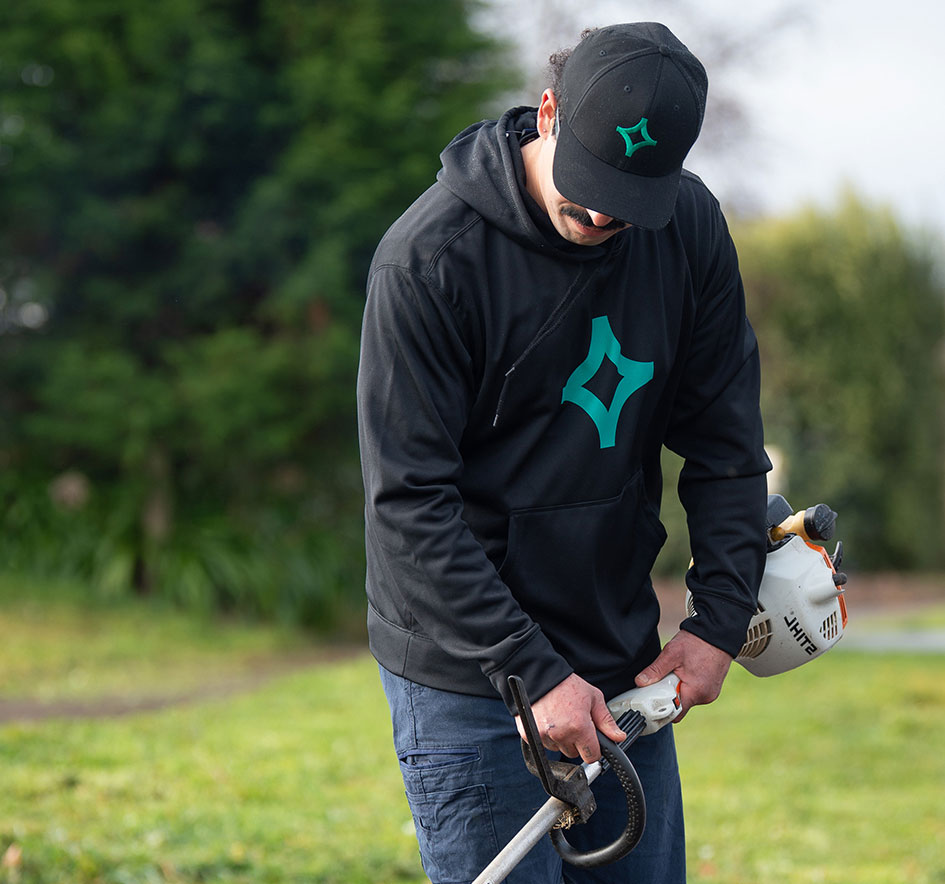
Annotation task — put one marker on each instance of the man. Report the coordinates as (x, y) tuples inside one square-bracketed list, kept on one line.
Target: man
[(562, 302)]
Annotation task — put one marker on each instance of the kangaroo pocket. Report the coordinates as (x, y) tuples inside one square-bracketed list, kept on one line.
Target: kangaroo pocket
[(582, 572)]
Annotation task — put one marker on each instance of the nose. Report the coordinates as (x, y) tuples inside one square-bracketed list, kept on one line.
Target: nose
[(600, 220)]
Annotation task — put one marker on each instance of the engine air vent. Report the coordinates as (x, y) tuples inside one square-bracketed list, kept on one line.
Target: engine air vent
[(757, 640)]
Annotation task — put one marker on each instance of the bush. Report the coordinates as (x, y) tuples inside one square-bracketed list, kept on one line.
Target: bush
[(192, 194), (850, 313)]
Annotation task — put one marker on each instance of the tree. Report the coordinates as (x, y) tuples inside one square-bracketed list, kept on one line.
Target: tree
[(850, 311), (192, 194), (729, 151)]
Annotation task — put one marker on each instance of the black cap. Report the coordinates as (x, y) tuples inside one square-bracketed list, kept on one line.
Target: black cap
[(631, 106)]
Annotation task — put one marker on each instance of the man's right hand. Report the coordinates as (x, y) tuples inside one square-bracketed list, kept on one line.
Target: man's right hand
[(569, 716)]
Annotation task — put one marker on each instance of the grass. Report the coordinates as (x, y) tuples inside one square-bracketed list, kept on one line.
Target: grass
[(290, 783), (63, 642), (926, 619), (829, 773), (291, 780)]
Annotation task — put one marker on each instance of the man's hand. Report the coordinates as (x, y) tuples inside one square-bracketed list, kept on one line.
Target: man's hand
[(701, 668), (569, 716)]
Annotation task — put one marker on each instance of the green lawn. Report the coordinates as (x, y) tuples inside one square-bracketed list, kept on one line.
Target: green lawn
[(62, 642), (830, 773)]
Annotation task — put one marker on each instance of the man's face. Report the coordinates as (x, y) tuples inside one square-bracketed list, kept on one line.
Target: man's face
[(575, 223)]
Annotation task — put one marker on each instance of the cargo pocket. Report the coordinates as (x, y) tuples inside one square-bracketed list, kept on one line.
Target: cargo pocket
[(451, 811)]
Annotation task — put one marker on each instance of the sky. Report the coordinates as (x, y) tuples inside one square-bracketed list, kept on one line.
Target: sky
[(837, 93)]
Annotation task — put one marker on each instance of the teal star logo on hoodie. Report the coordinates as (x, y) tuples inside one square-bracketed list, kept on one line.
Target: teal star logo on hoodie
[(633, 376)]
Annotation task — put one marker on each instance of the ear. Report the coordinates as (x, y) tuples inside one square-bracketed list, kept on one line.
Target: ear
[(546, 113)]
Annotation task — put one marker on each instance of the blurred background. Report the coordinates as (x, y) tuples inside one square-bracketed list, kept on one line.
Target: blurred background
[(191, 193)]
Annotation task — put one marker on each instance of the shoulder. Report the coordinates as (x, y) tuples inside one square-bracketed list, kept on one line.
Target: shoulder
[(697, 209), (427, 231), (700, 225)]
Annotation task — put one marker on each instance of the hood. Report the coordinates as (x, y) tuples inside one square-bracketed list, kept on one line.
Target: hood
[(483, 167)]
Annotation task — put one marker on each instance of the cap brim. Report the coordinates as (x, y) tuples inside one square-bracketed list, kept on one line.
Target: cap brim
[(583, 179)]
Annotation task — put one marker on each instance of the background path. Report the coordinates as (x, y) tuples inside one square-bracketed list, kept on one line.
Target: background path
[(870, 600)]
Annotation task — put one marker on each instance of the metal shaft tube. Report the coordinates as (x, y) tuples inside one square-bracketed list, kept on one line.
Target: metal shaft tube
[(529, 835)]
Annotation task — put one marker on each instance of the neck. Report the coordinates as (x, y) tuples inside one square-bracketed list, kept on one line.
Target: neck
[(531, 156)]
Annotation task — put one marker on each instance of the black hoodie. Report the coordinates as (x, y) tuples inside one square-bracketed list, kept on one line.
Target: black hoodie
[(514, 394)]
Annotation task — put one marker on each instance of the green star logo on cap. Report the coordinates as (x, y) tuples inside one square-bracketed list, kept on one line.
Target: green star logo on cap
[(640, 129)]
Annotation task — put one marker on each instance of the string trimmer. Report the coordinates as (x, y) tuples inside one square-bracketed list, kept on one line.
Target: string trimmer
[(801, 615)]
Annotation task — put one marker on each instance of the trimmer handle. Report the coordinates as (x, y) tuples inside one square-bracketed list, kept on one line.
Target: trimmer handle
[(636, 815), (570, 783), (814, 523), (658, 703)]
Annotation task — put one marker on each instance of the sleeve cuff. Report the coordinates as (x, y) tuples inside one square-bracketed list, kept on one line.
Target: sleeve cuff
[(538, 665), (719, 622)]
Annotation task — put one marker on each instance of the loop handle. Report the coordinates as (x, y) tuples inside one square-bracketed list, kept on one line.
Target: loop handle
[(636, 815)]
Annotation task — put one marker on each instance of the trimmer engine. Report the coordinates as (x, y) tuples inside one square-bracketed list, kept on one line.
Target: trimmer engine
[(801, 614), (801, 611)]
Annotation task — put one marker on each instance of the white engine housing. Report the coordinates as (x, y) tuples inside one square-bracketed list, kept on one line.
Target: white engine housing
[(801, 611)]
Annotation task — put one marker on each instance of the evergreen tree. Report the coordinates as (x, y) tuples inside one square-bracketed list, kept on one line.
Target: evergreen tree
[(192, 191)]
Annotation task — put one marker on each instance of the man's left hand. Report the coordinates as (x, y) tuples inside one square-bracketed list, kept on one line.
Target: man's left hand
[(701, 668)]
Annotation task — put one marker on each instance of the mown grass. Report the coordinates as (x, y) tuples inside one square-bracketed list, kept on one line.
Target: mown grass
[(62, 641), (930, 618), (294, 782), (831, 773)]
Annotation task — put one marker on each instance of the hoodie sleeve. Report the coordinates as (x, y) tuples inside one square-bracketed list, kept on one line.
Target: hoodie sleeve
[(416, 385), (716, 427)]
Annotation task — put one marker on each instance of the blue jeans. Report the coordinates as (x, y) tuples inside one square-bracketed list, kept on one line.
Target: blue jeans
[(469, 792)]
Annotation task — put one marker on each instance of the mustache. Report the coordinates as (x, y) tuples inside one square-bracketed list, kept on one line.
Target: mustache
[(582, 217)]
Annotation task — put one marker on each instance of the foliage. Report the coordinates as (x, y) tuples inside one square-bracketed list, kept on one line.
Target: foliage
[(192, 192), (850, 312), (809, 776)]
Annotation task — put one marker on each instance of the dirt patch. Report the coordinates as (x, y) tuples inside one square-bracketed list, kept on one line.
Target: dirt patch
[(866, 595), (27, 709), (893, 592)]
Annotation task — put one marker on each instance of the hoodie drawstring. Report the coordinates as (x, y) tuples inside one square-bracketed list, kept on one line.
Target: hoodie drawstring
[(557, 316)]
